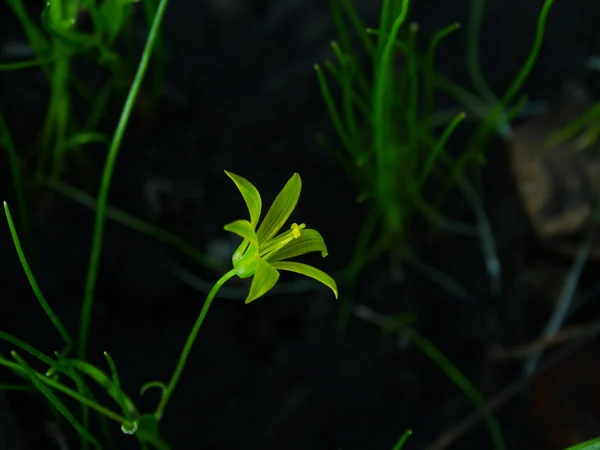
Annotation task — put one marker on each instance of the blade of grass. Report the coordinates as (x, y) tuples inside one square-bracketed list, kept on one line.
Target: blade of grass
[(593, 444), (486, 236), (34, 286), (27, 348), (473, 66), (354, 133), (402, 440), (35, 37), (18, 388), (16, 368), (565, 300), (477, 142), (527, 67), (158, 54), (7, 67), (460, 380), (381, 100), (52, 398), (138, 225), (440, 278), (333, 111), (359, 27), (14, 162), (429, 72), (83, 390), (113, 151)]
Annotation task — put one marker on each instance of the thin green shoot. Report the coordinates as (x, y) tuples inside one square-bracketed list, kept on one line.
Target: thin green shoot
[(28, 348), (472, 55), (107, 383), (140, 226), (54, 400), (495, 116), (128, 410), (460, 380), (18, 388), (34, 286), (113, 151), (34, 35), (565, 300), (592, 444), (16, 173), (83, 390), (66, 367), (439, 277), (50, 382), (486, 236), (382, 111), (379, 123), (586, 120), (429, 74), (400, 326), (8, 67), (402, 440)]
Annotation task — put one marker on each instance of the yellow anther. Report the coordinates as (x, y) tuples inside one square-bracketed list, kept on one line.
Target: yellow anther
[(295, 230)]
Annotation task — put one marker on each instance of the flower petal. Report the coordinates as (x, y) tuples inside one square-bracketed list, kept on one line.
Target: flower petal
[(251, 196), (244, 229), (264, 279), (280, 210), (309, 241), (309, 271)]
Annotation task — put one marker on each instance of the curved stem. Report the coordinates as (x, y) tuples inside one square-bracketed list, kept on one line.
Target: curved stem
[(189, 343)]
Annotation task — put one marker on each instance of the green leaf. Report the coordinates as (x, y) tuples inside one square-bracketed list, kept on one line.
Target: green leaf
[(309, 271), (309, 241), (119, 394), (107, 384), (33, 283), (34, 35), (35, 380), (154, 384), (402, 440), (113, 16), (27, 348), (80, 140), (281, 209), (251, 196), (244, 229), (593, 444), (264, 279)]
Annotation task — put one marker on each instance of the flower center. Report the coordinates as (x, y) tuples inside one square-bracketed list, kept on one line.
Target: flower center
[(278, 242)]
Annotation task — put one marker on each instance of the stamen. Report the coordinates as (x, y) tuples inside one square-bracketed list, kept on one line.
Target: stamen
[(296, 230)]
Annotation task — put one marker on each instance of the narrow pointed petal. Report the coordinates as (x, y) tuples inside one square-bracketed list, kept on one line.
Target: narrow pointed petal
[(244, 229), (309, 271), (309, 241), (264, 279), (251, 196), (280, 210)]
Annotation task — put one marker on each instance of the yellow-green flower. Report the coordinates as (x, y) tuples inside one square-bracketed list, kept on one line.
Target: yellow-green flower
[(263, 252)]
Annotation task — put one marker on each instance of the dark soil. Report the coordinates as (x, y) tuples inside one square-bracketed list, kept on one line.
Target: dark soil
[(241, 95)]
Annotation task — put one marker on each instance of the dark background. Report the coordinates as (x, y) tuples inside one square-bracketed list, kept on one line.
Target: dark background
[(241, 94)]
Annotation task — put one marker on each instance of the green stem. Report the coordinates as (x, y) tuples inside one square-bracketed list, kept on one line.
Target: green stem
[(65, 390), (189, 343), (113, 151)]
